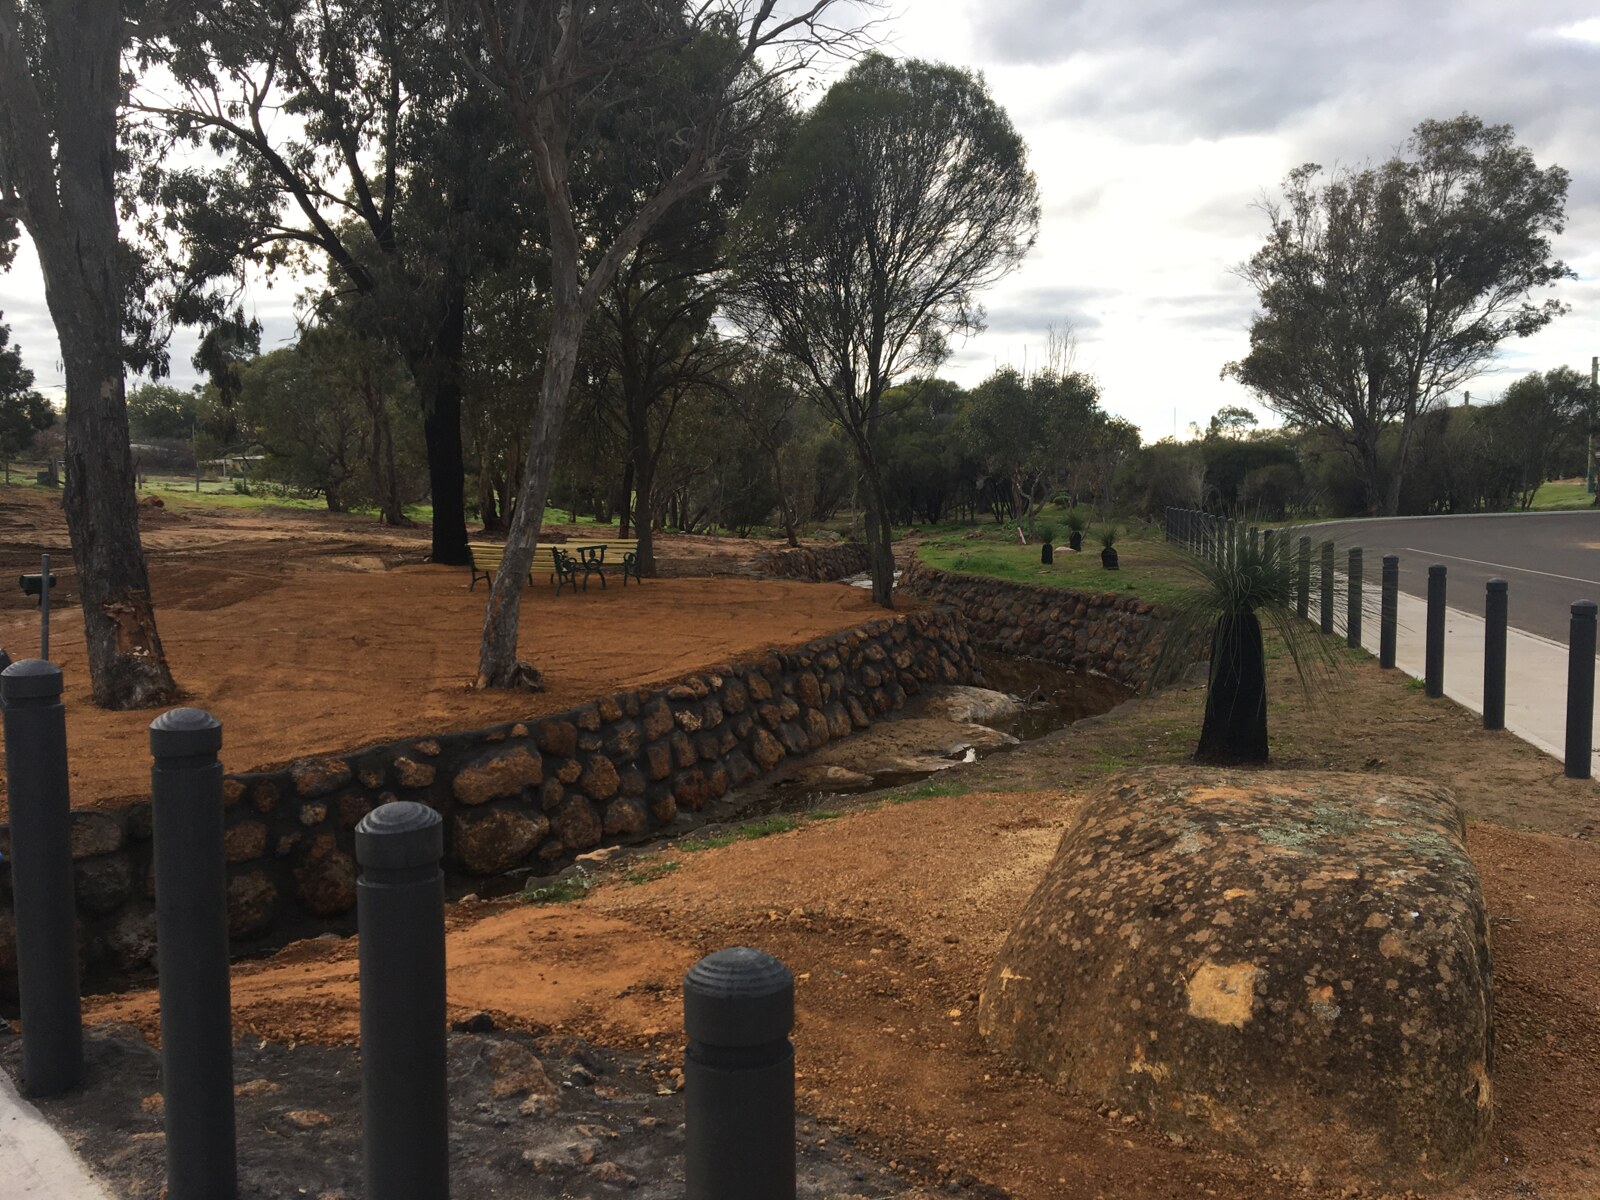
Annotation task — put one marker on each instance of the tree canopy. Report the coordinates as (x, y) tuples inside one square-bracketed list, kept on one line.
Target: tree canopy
[(1384, 288)]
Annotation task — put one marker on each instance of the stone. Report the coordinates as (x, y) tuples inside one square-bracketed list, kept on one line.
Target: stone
[(576, 825), (735, 697), (325, 878), (1292, 965), (558, 738), (551, 793), (759, 687), (264, 795), (838, 721), (768, 753), (740, 769), (624, 817), (93, 833), (622, 741), (588, 719), (817, 731), (570, 771), (691, 789), (711, 714), (514, 1071), (243, 841), (707, 746), (319, 776), (664, 808), (793, 738), (232, 792), (610, 709), (658, 760), (787, 708), (689, 720), (631, 782), (600, 779), (590, 742), (858, 715), (251, 901), (103, 885), (352, 807), (497, 775), (683, 751), (303, 1118), (413, 774), (808, 689), (427, 746), (657, 719), (769, 715), (497, 840), (132, 940), (313, 813)]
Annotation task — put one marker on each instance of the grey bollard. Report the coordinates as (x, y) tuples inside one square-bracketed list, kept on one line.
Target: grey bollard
[(1352, 620), (192, 952), (1303, 590), (1433, 666), (405, 1136), (1494, 655), (41, 877), (1580, 690), (1389, 613), (738, 1077), (44, 607), (1326, 612)]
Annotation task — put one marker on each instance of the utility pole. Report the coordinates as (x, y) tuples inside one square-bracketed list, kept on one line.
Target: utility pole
[(1594, 401)]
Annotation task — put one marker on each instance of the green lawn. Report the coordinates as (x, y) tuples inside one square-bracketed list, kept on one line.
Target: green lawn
[(1148, 567), (1561, 494)]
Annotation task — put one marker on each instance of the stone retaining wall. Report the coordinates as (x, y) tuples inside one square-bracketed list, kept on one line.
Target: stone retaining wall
[(525, 793), (1113, 634), (816, 564)]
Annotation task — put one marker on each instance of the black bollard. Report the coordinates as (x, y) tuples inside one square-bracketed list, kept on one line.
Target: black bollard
[(405, 1136), (1352, 620), (192, 951), (1389, 615), (1494, 655), (41, 877), (1327, 588), (1303, 591), (1580, 690), (738, 1077), (1433, 668)]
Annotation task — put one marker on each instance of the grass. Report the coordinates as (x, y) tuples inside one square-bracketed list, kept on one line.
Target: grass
[(560, 891), (659, 869), (748, 832), (1561, 495), (928, 791), (1149, 568)]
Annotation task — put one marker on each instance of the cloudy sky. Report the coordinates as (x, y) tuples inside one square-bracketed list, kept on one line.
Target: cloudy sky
[(1156, 126)]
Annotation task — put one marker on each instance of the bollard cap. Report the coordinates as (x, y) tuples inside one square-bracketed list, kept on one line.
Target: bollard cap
[(1391, 560), (398, 835), (1436, 569), (185, 733), (738, 997), (1583, 608), (1496, 585), (30, 679)]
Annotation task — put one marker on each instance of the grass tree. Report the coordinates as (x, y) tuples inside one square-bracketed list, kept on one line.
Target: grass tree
[(1241, 587)]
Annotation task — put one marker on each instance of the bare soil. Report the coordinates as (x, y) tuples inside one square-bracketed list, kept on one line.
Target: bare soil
[(890, 913), (307, 635)]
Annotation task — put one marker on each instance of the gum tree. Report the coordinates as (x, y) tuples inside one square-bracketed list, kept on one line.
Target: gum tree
[(1383, 289), (899, 198), (60, 89)]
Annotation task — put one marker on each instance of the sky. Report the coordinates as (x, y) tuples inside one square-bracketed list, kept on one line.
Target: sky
[(1155, 129)]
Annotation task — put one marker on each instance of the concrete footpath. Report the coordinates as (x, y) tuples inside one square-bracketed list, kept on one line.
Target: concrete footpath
[(1536, 667), (35, 1163)]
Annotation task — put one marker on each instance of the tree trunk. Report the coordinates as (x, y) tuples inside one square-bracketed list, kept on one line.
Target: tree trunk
[(625, 509), (1235, 725), (69, 207), (785, 509), (441, 429), (880, 544), (644, 484)]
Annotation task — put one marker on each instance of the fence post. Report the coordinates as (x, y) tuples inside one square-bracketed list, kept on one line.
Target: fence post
[(41, 877), (1389, 615), (1494, 655), (405, 1137), (192, 951), (44, 607), (1580, 690), (1327, 588), (1303, 596), (738, 1085), (1433, 668), (1352, 621)]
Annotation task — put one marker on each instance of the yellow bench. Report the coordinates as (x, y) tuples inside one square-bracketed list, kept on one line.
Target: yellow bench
[(485, 559), (601, 554)]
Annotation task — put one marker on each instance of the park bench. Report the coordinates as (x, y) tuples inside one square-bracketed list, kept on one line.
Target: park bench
[(485, 559), (604, 554)]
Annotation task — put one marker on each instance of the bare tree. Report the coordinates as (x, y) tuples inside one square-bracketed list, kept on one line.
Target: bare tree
[(60, 87), (730, 64)]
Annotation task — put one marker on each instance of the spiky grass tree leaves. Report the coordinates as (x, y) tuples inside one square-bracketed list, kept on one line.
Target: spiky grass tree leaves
[(1241, 589)]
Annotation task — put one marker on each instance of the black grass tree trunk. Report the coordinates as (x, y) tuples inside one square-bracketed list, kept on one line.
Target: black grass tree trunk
[(1235, 726)]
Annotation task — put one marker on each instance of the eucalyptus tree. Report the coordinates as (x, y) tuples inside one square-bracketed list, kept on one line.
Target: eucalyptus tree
[(341, 137), (1385, 288), (901, 195), (24, 413), (715, 72), (60, 90)]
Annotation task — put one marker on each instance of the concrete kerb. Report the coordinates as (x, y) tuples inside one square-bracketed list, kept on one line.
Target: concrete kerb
[(39, 1165)]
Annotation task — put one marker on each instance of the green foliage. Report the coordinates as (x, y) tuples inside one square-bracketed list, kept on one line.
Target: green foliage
[(747, 832), (24, 413), (1076, 521), (560, 891), (158, 412), (1386, 288), (1108, 537), (1045, 531), (1149, 567)]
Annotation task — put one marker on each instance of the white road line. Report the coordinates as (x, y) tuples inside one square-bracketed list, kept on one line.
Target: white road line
[(1501, 566)]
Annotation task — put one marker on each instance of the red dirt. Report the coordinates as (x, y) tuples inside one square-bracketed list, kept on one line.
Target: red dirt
[(294, 634)]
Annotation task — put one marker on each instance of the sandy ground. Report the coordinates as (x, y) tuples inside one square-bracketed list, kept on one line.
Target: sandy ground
[(307, 636)]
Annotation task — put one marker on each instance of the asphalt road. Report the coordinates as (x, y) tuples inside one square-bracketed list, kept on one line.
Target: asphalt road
[(1547, 559)]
